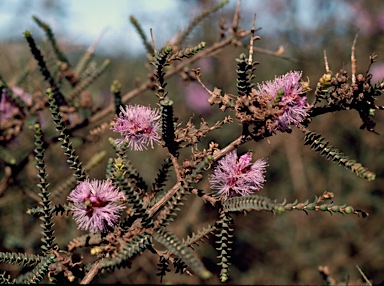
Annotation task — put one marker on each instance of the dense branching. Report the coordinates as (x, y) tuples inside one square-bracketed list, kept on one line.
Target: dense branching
[(133, 217)]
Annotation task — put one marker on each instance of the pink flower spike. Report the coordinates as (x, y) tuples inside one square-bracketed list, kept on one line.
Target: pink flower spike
[(139, 125), (237, 177), (293, 108), (94, 205)]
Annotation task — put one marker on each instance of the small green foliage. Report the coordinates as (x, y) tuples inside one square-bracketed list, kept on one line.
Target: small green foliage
[(318, 205), (189, 52), (202, 166), (56, 210), (179, 266), (56, 93), (6, 278), (47, 211), (87, 81), (137, 244), (73, 159), (20, 258), (84, 240), (166, 216), (132, 193), (244, 75), (168, 239), (160, 62), (15, 99), (162, 176), (7, 156), (195, 238), (21, 79), (167, 126), (146, 222), (130, 171), (320, 145), (323, 84), (51, 37), (205, 13), (248, 203), (163, 267), (141, 33), (116, 91), (224, 240), (38, 272)]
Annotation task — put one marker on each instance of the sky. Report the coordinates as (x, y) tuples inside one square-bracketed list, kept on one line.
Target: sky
[(113, 18), (80, 22), (84, 20)]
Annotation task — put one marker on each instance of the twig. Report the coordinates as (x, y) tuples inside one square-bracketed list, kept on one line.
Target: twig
[(90, 51), (182, 35), (232, 146), (176, 167), (362, 274), (102, 114), (278, 54), (93, 46), (5, 180), (153, 42), (353, 60), (252, 38), (95, 269), (236, 17), (32, 195), (372, 59), (164, 199), (205, 197), (326, 62)]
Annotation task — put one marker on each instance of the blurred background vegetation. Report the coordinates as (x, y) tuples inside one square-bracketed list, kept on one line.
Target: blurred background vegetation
[(286, 249)]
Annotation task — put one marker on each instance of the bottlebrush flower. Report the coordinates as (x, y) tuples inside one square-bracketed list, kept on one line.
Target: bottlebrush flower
[(285, 91), (237, 177), (139, 125), (94, 205)]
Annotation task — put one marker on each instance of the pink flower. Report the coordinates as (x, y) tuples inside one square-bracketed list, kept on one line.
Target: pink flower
[(94, 205), (285, 91), (237, 177), (377, 71), (197, 98), (26, 97), (139, 125), (7, 107)]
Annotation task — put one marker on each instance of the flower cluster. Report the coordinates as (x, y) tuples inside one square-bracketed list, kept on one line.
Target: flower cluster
[(94, 205), (285, 92), (139, 125), (235, 176)]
